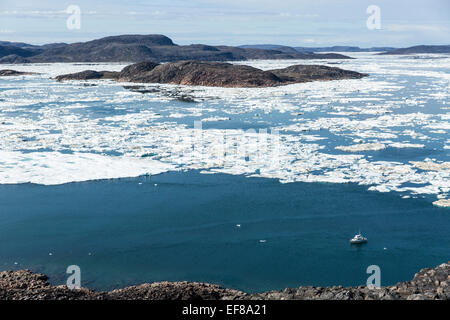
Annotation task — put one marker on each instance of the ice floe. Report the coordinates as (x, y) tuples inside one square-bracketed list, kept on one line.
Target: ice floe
[(57, 168), (406, 145), (431, 165), (362, 147), (442, 203)]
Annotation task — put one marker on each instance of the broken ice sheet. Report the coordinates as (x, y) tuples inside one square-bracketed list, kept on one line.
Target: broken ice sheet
[(359, 131)]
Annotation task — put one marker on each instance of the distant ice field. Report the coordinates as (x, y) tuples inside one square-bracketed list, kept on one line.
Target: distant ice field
[(388, 131)]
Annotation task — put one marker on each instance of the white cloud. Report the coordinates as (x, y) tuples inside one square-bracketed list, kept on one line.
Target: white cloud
[(40, 13), (6, 31), (296, 15), (414, 27), (145, 13)]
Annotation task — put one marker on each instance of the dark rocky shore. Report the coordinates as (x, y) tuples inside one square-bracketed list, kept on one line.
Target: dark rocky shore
[(216, 74), (428, 284)]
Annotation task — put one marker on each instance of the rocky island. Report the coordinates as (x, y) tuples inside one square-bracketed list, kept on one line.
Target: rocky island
[(216, 74), (428, 284), (10, 73)]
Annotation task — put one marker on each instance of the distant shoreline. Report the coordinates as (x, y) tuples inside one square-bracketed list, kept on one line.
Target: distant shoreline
[(135, 48)]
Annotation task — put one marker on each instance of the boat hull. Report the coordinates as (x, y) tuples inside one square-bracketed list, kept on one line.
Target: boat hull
[(358, 241)]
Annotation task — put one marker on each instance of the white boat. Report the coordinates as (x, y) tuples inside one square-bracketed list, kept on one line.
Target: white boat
[(358, 238)]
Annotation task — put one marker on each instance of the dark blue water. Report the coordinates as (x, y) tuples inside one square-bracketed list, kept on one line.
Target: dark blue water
[(129, 231)]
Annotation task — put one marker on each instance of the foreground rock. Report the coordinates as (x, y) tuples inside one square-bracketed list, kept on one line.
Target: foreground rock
[(8, 73), (26, 285), (217, 74), (429, 283)]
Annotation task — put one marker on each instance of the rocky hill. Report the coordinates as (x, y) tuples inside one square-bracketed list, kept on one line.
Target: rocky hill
[(428, 284), (216, 74), (135, 48), (7, 50), (418, 50)]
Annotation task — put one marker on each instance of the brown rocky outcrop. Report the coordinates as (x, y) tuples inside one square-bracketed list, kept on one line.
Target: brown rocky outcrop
[(217, 74), (305, 73), (88, 75)]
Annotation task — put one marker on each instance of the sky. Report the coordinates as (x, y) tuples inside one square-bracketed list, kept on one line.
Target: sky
[(400, 23)]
